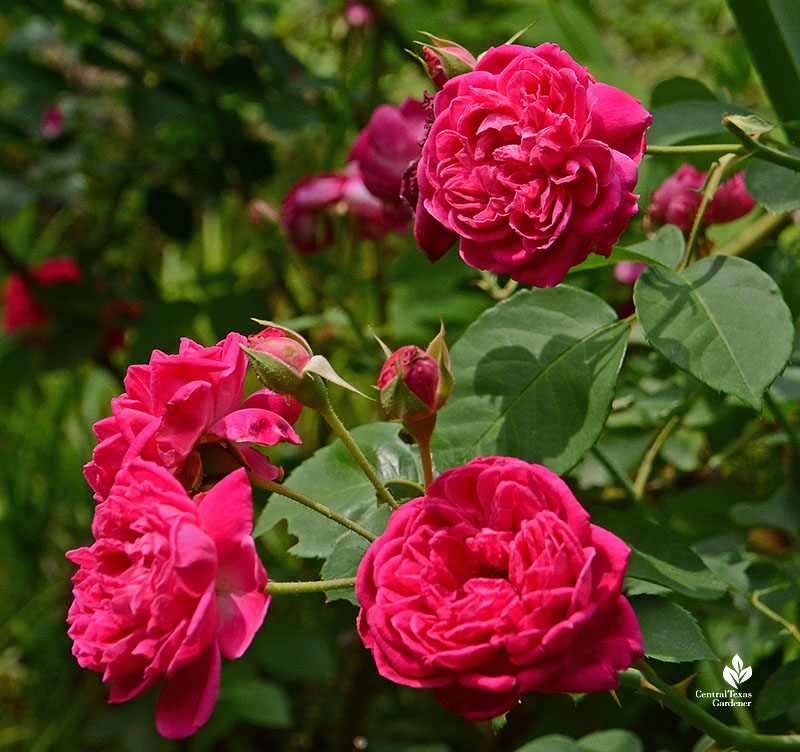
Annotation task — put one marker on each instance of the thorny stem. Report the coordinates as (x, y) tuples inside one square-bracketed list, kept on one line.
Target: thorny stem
[(332, 418), (271, 485), (309, 586), (645, 680)]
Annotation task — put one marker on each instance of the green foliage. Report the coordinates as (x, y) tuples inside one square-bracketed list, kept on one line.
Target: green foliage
[(781, 693), (540, 393), (669, 631), (774, 187), (332, 477), (702, 321)]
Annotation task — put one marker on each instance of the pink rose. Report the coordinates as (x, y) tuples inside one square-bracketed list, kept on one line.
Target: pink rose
[(20, 307), (185, 412), (628, 272), (313, 207), (494, 584), (678, 198), (531, 163), (168, 585), (386, 147)]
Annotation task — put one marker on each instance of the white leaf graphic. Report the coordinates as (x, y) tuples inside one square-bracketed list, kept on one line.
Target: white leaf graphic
[(737, 663), (746, 673), (730, 676)]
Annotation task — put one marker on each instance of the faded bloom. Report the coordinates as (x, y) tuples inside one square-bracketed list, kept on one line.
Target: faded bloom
[(186, 413), (169, 584), (531, 163), (678, 198), (494, 584), (314, 206), (20, 307), (358, 14)]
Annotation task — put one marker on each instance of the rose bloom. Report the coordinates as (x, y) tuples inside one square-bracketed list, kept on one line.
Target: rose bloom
[(494, 584), (531, 163), (313, 206), (185, 412), (169, 584), (385, 148), (678, 198), (20, 308)]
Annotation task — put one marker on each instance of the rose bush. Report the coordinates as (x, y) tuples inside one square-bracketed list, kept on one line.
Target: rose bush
[(531, 163), (494, 584), (678, 198), (169, 584), (178, 410)]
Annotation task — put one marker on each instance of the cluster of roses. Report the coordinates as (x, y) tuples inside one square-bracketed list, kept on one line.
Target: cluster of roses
[(526, 161), (172, 580), (493, 582)]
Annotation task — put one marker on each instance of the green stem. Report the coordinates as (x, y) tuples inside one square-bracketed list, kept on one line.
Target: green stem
[(782, 422), (312, 586), (646, 467), (406, 482), (427, 461), (620, 476), (327, 412), (647, 681), (755, 599), (763, 151), (753, 234), (697, 149), (712, 183), (271, 485)]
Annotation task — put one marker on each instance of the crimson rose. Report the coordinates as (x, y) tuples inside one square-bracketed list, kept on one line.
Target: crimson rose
[(531, 162), (494, 584)]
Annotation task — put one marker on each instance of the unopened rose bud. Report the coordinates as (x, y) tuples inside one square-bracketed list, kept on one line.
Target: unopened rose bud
[(414, 383), (409, 383), (445, 62), (278, 359)]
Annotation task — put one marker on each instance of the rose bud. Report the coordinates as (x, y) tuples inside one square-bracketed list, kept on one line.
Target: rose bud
[(284, 363), (444, 62), (282, 368), (409, 383), (415, 383)]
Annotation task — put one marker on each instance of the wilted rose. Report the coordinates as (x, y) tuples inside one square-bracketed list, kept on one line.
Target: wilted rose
[(495, 583), (531, 163)]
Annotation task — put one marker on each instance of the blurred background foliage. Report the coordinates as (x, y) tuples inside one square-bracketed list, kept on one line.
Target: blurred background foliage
[(174, 116)]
